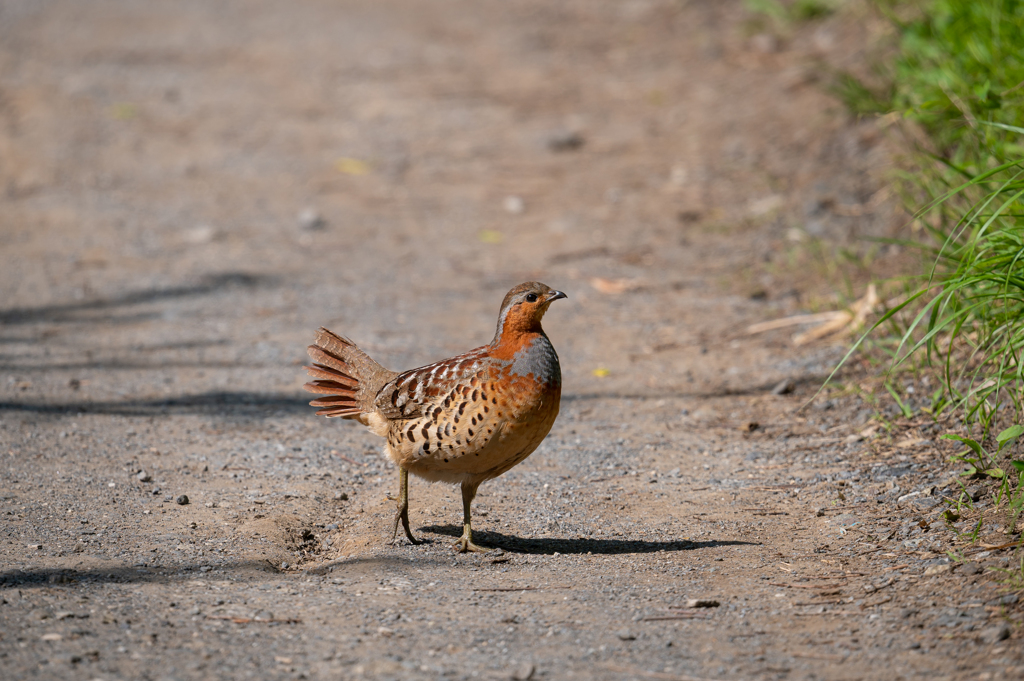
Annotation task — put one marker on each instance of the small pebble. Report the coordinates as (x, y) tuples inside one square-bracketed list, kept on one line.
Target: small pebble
[(995, 634), (143, 476), (977, 492), (626, 635), (514, 205), (332, 526), (784, 387), (565, 141), (1008, 599), (524, 672), (702, 603), (182, 500), (765, 43), (201, 234), (311, 220)]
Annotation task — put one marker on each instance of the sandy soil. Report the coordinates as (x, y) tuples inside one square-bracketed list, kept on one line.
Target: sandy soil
[(189, 189)]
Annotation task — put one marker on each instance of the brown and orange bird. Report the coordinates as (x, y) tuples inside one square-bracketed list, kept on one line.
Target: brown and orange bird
[(466, 419)]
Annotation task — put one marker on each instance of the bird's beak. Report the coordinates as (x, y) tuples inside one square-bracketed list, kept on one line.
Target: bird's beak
[(556, 295)]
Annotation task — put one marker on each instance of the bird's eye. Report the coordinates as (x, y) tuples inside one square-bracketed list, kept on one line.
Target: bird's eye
[(531, 297)]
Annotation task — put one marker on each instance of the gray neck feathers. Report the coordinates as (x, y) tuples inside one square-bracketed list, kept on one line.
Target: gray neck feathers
[(538, 358)]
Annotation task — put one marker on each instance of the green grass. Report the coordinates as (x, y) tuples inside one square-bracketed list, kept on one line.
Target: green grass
[(961, 64), (957, 83), (958, 76), (969, 317)]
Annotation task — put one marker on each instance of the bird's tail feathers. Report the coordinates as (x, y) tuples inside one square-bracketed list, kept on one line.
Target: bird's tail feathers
[(346, 377)]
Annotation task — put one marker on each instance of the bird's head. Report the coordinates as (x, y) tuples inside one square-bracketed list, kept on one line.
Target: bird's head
[(523, 308)]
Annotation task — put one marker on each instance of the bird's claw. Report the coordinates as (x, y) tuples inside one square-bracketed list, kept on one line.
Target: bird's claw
[(402, 516), (465, 545)]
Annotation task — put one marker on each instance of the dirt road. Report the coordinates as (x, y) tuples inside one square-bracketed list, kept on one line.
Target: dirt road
[(189, 189)]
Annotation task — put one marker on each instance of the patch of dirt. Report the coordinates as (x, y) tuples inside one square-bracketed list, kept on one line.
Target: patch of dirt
[(190, 190)]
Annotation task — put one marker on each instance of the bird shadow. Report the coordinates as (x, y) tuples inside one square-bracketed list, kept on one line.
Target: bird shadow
[(549, 545)]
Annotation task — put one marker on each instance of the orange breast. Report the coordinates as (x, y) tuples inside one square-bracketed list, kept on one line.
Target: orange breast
[(482, 427)]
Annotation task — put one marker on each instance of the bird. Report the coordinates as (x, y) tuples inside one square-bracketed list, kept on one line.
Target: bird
[(464, 420)]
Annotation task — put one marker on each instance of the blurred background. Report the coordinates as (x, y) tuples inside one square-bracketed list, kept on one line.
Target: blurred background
[(190, 189)]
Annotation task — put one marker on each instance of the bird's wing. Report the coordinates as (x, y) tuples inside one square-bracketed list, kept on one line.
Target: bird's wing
[(416, 392)]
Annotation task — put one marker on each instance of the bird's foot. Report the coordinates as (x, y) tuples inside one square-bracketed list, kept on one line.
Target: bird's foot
[(402, 515), (465, 544)]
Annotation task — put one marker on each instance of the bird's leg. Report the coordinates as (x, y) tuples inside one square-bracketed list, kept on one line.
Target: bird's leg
[(402, 514), (465, 542)]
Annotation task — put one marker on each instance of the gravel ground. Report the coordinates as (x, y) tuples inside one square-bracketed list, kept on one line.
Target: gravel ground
[(188, 190)]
